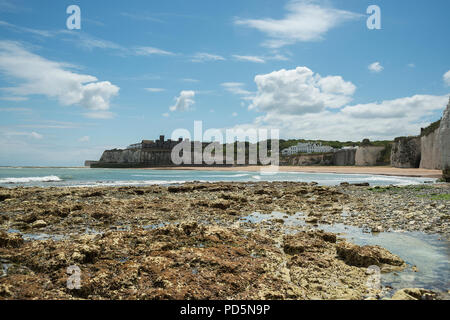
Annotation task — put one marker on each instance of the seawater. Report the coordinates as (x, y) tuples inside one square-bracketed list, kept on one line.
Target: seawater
[(429, 253), (26, 176)]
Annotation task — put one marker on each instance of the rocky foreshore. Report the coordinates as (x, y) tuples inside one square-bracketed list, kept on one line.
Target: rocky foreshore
[(203, 240)]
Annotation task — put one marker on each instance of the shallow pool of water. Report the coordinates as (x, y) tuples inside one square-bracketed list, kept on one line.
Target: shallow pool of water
[(38, 236), (429, 253)]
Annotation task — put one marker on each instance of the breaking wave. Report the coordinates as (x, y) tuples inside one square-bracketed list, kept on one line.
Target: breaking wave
[(31, 179)]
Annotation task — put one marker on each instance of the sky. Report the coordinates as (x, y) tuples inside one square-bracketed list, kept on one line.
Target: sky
[(137, 69)]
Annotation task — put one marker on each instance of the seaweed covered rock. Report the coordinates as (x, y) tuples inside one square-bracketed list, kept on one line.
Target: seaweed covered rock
[(413, 294), (10, 240), (365, 256)]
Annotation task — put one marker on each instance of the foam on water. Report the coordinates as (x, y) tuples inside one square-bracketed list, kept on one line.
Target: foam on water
[(11, 177), (12, 180)]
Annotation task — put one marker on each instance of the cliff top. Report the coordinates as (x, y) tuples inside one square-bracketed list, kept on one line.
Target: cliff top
[(430, 129)]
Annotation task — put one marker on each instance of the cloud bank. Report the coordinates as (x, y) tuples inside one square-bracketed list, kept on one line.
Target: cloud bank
[(53, 79), (301, 103)]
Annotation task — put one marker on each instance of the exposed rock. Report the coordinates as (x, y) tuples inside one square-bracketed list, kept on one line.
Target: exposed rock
[(345, 157), (366, 256), (324, 159), (187, 261), (435, 143), (4, 196), (446, 175), (306, 241), (145, 249), (413, 294), (39, 224), (220, 204), (431, 151), (406, 152), (362, 184), (444, 142), (10, 240), (368, 155)]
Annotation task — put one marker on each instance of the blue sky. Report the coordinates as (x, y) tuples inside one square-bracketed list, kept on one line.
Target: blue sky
[(138, 69)]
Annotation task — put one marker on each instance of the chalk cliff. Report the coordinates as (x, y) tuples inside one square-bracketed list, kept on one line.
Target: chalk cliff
[(430, 150), (434, 147), (345, 157), (406, 152), (133, 158), (325, 159), (368, 156), (444, 142)]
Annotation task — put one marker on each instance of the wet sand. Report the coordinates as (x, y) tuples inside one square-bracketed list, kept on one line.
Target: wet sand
[(379, 170)]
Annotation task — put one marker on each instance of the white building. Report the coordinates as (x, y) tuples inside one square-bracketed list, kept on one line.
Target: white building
[(308, 147)]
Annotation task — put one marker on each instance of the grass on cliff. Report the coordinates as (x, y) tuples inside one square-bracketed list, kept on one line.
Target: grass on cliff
[(431, 128)]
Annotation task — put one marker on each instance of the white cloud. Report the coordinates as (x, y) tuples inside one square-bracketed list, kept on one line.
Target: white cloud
[(52, 79), (306, 20), (189, 80), (234, 114), (300, 91), (147, 51), (411, 65), (99, 115), (155, 89), (446, 78), (184, 101), (43, 33), (237, 89), (52, 124), (85, 41), (84, 139), (376, 67), (166, 114), (36, 135), (345, 126), (414, 107), (32, 134), (278, 57), (249, 58), (302, 104), (203, 57)]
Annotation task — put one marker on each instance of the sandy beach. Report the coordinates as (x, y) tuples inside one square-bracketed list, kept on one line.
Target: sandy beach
[(380, 170)]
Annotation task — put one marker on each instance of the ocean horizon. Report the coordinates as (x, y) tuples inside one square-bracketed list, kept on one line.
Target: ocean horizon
[(82, 176)]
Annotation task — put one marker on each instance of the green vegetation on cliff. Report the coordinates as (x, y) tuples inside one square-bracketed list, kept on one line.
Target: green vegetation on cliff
[(430, 129)]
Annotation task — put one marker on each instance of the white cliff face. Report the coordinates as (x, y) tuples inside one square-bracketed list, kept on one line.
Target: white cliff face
[(444, 139), (431, 151), (368, 156)]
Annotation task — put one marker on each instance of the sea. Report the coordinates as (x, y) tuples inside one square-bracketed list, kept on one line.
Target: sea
[(82, 176)]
